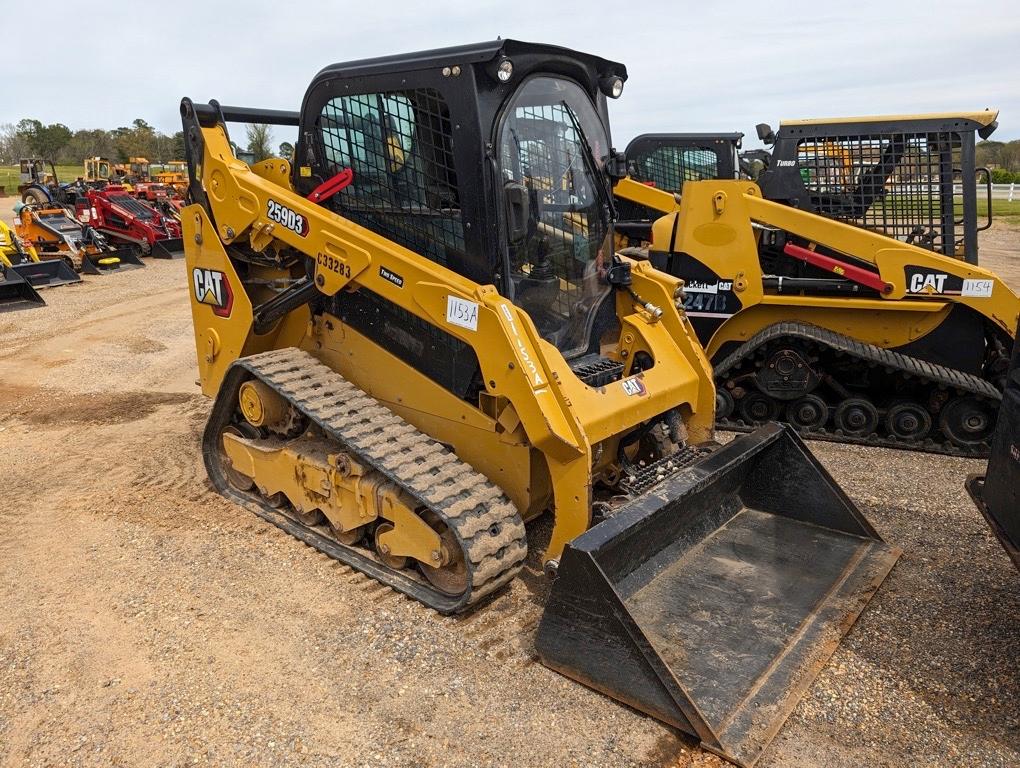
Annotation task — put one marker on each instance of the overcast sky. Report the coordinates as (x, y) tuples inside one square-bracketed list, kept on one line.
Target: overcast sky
[(692, 66)]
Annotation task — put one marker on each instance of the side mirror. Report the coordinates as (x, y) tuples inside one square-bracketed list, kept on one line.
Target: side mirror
[(616, 165), (518, 211), (766, 134)]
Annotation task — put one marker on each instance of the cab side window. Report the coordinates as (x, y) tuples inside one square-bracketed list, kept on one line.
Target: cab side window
[(399, 145), (668, 167)]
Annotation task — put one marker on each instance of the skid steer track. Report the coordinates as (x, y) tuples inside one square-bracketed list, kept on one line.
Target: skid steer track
[(906, 368), (485, 522)]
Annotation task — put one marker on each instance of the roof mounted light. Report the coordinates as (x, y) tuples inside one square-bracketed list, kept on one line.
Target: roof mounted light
[(611, 86), (504, 70)]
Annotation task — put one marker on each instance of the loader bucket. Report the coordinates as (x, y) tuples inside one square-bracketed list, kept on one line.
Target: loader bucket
[(713, 600), (17, 293), (47, 274), (171, 248), (997, 492), (119, 260)]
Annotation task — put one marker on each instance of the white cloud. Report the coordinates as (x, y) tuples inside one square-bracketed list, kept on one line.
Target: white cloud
[(693, 66)]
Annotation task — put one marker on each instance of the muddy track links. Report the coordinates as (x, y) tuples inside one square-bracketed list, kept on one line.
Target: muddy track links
[(937, 375), (485, 522)]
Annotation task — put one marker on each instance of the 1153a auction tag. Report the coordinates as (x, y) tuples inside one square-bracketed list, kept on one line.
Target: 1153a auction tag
[(462, 312)]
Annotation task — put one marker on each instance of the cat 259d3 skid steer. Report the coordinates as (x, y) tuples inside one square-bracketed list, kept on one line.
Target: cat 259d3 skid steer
[(418, 339)]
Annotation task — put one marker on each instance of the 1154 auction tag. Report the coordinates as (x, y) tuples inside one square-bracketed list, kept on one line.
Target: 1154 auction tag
[(462, 312), (981, 289)]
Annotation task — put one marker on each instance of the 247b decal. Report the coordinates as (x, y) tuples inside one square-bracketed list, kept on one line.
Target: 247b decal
[(213, 288), (281, 214)]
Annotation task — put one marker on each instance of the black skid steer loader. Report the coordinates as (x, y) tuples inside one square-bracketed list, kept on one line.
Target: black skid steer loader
[(418, 339)]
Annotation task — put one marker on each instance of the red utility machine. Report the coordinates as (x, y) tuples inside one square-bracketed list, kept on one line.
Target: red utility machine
[(114, 212)]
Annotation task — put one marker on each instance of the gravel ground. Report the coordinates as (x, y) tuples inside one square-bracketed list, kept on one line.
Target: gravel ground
[(145, 621)]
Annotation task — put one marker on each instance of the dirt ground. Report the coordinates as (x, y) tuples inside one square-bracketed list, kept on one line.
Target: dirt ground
[(145, 621)]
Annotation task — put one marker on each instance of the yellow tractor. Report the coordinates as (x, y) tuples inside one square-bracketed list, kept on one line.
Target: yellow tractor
[(413, 354), (173, 174)]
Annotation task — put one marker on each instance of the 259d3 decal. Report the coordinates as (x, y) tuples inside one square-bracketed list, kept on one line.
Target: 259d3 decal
[(292, 220)]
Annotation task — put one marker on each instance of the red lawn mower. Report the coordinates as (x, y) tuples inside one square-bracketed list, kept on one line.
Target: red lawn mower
[(124, 218)]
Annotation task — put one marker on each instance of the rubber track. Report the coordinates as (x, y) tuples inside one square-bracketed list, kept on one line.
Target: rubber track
[(484, 520), (910, 366)]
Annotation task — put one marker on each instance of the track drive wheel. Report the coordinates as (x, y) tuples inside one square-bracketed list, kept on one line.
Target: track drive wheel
[(723, 403), (397, 563), (348, 538), (756, 408), (808, 414), (451, 578), (967, 421), (908, 421), (857, 417)]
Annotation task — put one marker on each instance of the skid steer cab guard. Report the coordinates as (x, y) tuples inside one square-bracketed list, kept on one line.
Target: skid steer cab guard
[(997, 493), (427, 302)]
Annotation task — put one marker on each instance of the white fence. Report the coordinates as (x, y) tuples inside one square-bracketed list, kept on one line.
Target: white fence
[(1008, 192)]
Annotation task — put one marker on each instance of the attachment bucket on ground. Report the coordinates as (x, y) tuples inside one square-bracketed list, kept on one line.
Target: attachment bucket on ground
[(997, 492), (17, 293), (49, 273), (713, 600), (171, 248), (123, 258)]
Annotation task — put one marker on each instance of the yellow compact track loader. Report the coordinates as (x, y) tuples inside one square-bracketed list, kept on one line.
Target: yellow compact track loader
[(843, 332), (25, 262), (419, 339)]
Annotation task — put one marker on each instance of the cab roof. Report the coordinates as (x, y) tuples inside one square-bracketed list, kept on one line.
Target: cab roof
[(474, 53)]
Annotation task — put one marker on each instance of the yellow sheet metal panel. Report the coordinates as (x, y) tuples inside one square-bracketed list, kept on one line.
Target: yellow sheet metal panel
[(984, 117)]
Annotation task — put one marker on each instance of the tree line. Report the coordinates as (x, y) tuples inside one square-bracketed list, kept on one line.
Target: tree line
[(1002, 157), (56, 144)]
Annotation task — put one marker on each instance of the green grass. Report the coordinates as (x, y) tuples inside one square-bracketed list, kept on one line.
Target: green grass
[(905, 207), (1001, 209), (10, 174)]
